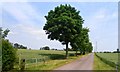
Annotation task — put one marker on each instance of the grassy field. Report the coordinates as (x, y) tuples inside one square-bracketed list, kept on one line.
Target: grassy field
[(40, 55), (113, 57), (106, 61), (100, 65), (44, 59)]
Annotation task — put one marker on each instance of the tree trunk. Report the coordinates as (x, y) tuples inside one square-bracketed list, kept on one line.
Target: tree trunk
[(80, 52), (76, 52), (66, 50)]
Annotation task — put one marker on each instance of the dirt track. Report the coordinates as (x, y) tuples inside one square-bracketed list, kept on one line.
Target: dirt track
[(84, 63)]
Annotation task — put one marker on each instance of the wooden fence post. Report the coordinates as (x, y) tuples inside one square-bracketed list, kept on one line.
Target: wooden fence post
[(22, 64), (36, 62), (116, 67)]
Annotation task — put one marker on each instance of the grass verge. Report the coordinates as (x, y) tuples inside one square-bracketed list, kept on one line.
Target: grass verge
[(100, 65), (52, 64)]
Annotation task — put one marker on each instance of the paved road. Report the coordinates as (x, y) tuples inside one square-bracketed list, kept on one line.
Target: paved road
[(84, 63)]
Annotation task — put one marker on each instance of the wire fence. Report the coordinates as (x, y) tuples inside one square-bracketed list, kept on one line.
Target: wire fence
[(36, 60), (31, 61)]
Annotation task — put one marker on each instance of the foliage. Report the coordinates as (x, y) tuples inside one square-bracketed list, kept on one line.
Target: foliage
[(4, 33), (63, 23), (8, 55), (16, 45), (118, 51), (45, 48), (8, 52), (81, 42)]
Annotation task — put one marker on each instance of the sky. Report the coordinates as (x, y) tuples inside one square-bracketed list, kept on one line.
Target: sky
[(26, 20)]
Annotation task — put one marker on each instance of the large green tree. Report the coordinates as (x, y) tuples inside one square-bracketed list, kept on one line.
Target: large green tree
[(62, 24)]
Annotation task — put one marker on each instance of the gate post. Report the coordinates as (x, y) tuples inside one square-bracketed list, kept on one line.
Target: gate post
[(22, 64)]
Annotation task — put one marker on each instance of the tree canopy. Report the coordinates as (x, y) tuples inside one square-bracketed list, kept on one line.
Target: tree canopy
[(63, 23)]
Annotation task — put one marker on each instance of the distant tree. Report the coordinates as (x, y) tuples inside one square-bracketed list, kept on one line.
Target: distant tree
[(45, 48), (21, 46), (63, 23), (40, 48), (118, 51), (16, 45)]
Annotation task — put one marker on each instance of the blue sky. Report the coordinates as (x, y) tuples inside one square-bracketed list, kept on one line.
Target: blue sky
[(26, 20)]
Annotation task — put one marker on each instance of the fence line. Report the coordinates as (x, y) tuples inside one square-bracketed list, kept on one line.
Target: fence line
[(31, 61)]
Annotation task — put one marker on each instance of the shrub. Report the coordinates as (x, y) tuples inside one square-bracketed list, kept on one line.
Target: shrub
[(8, 55), (71, 54)]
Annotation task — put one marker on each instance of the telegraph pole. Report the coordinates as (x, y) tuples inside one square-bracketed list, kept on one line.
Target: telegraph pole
[(96, 46)]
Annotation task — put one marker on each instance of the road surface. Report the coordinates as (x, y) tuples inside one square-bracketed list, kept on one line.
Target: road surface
[(84, 63)]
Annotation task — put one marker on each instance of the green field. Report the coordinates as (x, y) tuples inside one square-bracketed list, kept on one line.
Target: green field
[(40, 55), (43, 59), (100, 65), (113, 57), (110, 59)]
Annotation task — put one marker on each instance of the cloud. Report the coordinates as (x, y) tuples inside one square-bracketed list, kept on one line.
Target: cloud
[(28, 28), (23, 12), (115, 15), (13, 33), (102, 26), (33, 30), (99, 18), (28, 18)]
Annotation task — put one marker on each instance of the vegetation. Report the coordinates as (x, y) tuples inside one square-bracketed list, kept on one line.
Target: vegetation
[(113, 57), (44, 59), (100, 65), (81, 42), (45, 48), (65, 25), (8, 52), (109, 58), (18, 46)]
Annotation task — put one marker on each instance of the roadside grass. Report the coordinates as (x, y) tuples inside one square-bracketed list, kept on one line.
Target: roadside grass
[(100, 65), (52, 64)]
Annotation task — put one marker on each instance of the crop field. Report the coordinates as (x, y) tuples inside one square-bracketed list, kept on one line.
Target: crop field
[(111, 59)]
